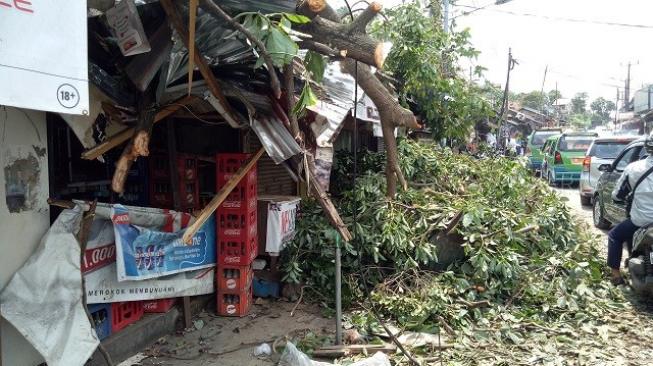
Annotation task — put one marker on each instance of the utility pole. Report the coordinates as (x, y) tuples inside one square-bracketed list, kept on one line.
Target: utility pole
[(511, 65), (616, 110), (627, 88), (546, 69)]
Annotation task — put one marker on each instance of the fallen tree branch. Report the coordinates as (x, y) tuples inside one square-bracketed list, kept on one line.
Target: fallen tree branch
[(215, 10), (475, 304), (124, 135)]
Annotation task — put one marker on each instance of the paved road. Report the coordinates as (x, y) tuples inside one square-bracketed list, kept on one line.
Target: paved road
[(582, 212)]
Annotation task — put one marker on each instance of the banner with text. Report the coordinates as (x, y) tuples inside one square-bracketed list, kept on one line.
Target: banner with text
[(43, 55), (146, 252)]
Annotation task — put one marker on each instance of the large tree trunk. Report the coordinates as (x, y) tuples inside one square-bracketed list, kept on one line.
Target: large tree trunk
[(325, 27)]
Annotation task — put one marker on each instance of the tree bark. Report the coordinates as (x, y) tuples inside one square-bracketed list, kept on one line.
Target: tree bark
[(325, 23)]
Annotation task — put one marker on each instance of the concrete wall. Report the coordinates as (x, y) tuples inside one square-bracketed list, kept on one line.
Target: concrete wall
[(24, 213)]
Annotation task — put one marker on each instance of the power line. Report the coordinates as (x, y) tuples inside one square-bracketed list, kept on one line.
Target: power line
[(555, 18)]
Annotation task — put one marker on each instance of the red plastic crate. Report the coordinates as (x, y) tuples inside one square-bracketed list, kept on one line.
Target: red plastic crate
[(190, 193), (234, 278), (234, 303), (236, 224), (232, 251), (242, 197), (161, 194), (158, 306), (159, 166), (125, 313), (228, 164), (187, 165)]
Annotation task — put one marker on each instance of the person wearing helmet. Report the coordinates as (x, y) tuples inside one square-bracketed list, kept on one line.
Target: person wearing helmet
[(641, 211)]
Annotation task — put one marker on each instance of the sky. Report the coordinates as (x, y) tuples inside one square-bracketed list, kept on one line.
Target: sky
[(582, 57)]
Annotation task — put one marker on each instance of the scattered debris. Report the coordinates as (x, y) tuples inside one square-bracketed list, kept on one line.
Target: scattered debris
[(263, 349)]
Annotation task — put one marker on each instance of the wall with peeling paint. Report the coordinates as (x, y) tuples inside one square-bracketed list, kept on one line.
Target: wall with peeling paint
[(24, 212)]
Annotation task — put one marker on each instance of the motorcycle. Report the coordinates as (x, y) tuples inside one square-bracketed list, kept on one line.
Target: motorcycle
[(640, 262)]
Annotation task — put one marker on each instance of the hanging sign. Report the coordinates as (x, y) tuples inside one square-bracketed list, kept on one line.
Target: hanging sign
[(43, 55)]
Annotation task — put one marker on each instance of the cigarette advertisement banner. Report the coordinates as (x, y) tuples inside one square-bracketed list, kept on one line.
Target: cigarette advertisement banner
[(144, 253), (281, 223), (101, 270), (43, 55)]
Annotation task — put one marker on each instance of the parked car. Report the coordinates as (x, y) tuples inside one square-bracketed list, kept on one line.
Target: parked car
[(605, 210), (602, 151), (564, 155), (534, 145)]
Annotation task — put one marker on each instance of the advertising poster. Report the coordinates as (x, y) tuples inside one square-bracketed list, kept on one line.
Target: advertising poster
[(44, 56)]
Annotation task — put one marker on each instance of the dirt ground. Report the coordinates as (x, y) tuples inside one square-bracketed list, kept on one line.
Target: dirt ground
[(231, 341)]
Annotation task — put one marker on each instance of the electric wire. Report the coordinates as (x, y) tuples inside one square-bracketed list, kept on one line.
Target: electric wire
[(555, 18)]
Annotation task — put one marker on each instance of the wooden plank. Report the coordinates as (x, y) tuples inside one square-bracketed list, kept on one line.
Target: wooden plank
[(177, 23), (127, 133), (346, 350), (221, 196)]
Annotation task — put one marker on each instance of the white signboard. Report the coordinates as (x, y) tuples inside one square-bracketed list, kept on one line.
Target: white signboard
[(43, 55)]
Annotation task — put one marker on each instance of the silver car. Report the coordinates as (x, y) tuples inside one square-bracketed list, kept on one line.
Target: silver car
[(602, 151)]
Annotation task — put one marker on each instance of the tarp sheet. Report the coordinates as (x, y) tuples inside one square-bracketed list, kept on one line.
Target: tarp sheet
[(43, 300)]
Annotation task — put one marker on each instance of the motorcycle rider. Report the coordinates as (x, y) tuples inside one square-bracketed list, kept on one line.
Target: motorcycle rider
[(641, 213)]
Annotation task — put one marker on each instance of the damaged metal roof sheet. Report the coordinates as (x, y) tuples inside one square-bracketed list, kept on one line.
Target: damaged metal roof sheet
[(339, 89), (275, 138)]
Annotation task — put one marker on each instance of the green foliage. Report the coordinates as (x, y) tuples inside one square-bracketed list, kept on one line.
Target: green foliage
[(601, 109), (315, 65), (579, 103), (528, 266), (580, 120), (423, 60)]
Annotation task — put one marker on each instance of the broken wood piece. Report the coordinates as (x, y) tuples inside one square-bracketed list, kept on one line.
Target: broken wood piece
[(139, 146), (323, 199), (223, 107), (215, 10), (221, 196), (61, 203), (124, 135), (353, 349), (192, 15)]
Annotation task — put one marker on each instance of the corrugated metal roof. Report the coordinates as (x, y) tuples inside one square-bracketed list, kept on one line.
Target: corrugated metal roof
[(275, 138)]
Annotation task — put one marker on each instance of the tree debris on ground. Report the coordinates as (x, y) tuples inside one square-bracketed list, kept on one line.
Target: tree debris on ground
[(526, 284)]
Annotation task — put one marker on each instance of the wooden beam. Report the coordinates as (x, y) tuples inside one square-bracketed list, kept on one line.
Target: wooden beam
[(127, 133), (177, 23), (221, 196)]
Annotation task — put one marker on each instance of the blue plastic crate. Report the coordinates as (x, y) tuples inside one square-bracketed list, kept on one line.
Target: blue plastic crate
[(265, 288), (101, 315)]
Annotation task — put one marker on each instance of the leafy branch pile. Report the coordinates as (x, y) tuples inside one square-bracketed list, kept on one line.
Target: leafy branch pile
[(529, 287)]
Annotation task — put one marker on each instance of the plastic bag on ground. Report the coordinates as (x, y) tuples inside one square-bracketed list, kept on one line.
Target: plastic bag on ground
[(293, 357)]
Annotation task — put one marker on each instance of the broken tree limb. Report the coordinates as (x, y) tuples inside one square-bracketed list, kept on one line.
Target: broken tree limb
[(223, 107), (289, 84), (327, 205), (345, 37), (221, 196), (353, 349), (61, 203), (124, 135), (215, 10), (139, 146)]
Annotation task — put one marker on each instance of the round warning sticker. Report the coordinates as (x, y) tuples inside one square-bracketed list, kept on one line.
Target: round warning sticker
[(231, 284), (231, 309), (68, 96)]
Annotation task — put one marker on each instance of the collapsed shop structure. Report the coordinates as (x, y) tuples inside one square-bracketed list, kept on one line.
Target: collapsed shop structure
[(152, 137)]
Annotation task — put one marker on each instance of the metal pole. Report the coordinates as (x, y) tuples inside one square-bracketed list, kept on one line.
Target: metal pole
[(338, 294)]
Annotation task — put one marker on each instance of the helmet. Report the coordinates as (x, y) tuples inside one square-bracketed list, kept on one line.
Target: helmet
[(648, 144)]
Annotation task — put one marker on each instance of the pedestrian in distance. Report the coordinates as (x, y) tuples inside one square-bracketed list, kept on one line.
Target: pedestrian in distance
[(635, 188)]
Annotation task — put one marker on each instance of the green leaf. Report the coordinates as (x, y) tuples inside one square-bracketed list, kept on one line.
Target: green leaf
[(315, 64), (285, 24), (306, 99), (280, 47), (467, 219), (296, 18)]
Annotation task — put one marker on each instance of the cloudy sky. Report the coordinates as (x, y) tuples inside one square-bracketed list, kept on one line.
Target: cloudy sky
[(581, 56)]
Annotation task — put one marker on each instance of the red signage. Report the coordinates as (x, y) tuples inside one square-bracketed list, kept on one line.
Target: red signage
[(99, 257), (20, 5)]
